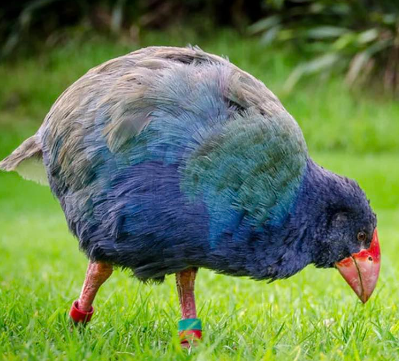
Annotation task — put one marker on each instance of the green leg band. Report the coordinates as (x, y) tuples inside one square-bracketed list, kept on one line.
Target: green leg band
[(190, 324)]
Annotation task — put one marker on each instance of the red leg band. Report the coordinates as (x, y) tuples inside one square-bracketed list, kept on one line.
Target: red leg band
[(188, 336), (79, 315)]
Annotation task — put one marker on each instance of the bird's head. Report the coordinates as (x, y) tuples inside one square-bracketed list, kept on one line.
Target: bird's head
[(346, 235)]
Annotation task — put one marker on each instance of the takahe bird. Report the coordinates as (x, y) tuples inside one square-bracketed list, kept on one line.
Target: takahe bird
[(169, 159)]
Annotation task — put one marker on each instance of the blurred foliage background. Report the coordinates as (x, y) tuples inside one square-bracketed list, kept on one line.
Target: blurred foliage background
[(333, 63), (359, 38)]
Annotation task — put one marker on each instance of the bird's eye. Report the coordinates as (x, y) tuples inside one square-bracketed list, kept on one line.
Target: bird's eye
[(362, 236)]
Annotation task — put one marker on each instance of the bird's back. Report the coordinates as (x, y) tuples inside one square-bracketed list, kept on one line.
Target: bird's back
[(182, 92)]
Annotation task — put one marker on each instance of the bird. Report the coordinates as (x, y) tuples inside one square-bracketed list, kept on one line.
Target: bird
[(167, 160)]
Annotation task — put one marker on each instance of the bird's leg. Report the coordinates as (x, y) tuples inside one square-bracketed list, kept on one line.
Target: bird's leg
[(97, 273), (189, 325)]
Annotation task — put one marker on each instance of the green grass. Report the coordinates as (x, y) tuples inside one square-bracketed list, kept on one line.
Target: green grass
[(313, 315)]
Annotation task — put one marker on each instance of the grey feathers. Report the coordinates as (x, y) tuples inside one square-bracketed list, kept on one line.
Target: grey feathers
[(27, 160)]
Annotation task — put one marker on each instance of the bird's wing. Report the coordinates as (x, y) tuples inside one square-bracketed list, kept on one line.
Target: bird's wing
[(255, 164)]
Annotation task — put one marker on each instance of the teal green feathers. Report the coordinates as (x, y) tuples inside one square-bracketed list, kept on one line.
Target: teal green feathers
[(256, 163)]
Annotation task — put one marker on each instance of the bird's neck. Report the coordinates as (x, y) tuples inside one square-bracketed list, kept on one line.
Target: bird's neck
[(287, 248)]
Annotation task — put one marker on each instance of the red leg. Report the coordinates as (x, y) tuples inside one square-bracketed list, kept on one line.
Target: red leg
[(97, 273), (189, 325)]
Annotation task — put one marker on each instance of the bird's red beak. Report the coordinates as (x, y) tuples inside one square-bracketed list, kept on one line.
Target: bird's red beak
[(361, 270)]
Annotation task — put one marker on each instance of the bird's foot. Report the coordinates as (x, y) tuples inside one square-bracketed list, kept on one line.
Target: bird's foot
[(190, 332), (79, 316)]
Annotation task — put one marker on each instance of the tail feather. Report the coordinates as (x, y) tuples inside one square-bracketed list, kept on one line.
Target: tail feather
[(27, 160)]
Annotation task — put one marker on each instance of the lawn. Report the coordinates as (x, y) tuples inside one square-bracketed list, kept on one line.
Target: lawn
[(313, 315)]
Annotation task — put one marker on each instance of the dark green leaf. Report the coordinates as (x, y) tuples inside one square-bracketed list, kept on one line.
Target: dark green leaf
[(325, 32), (264, 24), (270, 35), (311, 67)]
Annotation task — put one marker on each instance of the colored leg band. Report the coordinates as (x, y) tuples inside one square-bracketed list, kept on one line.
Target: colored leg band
[(78, 315), (190, 324)]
